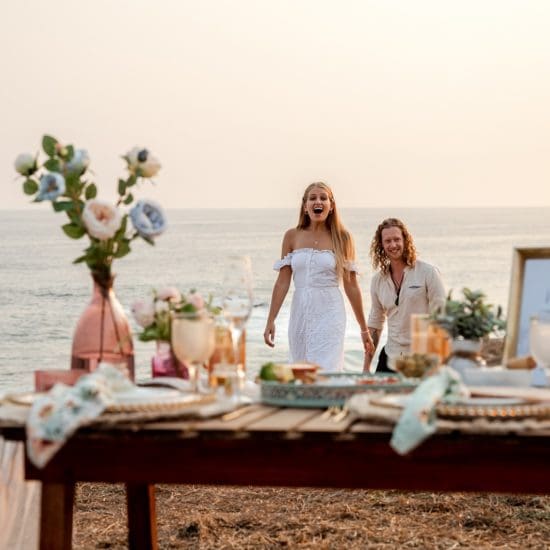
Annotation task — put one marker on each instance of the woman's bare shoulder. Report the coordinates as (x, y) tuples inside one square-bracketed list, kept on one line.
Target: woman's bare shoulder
[(289, 239)]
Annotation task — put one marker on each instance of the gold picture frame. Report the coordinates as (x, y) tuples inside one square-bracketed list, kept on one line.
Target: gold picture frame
[(529, 293)]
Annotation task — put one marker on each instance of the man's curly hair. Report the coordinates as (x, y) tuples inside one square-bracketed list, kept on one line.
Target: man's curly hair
[(377, 254)]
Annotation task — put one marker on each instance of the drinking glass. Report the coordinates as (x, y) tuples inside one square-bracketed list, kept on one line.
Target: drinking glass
[(193, 341), (539, 346), (237, 303)]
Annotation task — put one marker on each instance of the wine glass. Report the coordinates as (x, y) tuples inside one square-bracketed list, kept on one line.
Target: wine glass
[(193, 341), (237, 303), (539, 345)]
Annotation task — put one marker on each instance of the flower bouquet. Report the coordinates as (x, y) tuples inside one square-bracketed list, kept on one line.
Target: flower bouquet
[(154, 315), (103, 332)]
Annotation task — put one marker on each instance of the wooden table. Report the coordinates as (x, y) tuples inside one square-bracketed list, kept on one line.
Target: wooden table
[(272, 447)]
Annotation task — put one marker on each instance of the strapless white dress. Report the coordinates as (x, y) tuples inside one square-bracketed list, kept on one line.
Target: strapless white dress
[(317, 316)]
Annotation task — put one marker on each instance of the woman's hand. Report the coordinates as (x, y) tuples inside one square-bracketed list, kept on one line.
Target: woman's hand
[(269, 335)]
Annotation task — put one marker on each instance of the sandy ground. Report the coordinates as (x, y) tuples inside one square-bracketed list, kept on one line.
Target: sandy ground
[(250, 517)]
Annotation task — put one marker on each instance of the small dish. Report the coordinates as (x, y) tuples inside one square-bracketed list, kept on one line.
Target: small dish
[(303, 371)]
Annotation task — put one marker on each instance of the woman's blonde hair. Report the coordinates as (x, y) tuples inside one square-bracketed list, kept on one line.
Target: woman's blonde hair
[(342, 241), (377, 253)]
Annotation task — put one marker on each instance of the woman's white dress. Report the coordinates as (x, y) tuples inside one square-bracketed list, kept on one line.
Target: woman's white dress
[(317, 316)]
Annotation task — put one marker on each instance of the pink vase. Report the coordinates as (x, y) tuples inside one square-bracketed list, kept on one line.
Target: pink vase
[(164, 362), (103, 333)]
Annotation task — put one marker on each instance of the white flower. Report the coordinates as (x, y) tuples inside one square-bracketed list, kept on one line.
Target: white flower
[(102, 219), (144, 312), (142, 163), (169, 293), (25, 164), (196, 300), (148, 218), (52, 185), (79, 163)]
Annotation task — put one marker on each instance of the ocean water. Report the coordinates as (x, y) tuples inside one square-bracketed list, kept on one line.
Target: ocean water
[(42, 293)]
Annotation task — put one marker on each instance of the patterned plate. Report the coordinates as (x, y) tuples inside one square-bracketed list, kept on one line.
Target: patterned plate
[(331, 390), (484, 409)]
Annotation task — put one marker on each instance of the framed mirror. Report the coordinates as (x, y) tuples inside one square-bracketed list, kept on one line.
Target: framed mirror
[(529, 293)]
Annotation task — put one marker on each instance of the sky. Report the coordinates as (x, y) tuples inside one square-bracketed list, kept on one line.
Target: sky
[(405, 103)]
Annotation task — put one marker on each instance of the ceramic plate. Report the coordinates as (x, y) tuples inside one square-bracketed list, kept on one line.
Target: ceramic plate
[(486, 401), (145, 399)]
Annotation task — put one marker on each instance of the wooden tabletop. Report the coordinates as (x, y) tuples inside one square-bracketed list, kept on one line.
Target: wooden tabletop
[(272, 447), (295, 447)]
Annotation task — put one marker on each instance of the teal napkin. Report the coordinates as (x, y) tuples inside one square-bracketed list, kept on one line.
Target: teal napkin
[(55, 416), (418, 420)]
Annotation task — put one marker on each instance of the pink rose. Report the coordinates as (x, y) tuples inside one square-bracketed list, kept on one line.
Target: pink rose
[(144, 312), (196, 300), (169, 293)]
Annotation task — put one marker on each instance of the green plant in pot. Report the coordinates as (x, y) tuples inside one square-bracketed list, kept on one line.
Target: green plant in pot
[(469, 321)]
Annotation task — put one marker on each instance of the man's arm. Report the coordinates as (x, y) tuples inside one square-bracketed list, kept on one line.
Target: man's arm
[(377, 316), (375, 335), (435, 290)]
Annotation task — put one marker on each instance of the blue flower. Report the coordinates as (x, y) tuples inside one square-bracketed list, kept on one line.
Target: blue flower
[(79, 162), (52, 185), (148, 218)]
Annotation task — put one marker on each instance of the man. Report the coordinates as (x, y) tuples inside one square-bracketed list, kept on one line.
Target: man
[(403, 285)]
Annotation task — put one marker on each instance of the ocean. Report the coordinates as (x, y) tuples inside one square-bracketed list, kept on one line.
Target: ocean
[(42, 293)]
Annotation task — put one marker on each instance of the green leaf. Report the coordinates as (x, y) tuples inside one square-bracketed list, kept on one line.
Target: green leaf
[(53, 165), (80, 259), (70, 152), (91, 191), (30, 186), (128, 199), (62, 206), (122, 229), (121, 187), (73, 230), (149, 333), (148, 240), (48, 144), (188, 308), (123, 248)]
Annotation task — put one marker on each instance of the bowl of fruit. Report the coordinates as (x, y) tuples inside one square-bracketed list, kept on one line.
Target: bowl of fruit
[(416, 365)]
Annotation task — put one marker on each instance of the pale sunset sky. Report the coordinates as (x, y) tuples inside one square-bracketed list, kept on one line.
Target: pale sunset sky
[(406, 103)]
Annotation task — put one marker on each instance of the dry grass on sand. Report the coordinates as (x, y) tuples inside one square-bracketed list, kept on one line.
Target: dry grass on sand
[(193, 516)]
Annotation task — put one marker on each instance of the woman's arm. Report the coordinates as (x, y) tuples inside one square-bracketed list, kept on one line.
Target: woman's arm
[(280, 289), (353, 292)]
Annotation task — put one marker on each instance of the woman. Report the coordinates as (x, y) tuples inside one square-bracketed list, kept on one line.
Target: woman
[(319, 253)]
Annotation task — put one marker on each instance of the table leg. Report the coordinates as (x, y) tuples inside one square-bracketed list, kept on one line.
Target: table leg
[(56, 516), (142, 520)]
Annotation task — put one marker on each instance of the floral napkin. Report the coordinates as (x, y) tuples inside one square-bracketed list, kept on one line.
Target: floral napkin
[(418, 419), (55, 416)]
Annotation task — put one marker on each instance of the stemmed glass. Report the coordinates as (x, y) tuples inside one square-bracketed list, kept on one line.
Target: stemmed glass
[(539, 345), (237, 303), (193, 342)]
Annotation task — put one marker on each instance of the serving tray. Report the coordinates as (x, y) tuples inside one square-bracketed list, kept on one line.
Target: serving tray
[(332, 390)]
